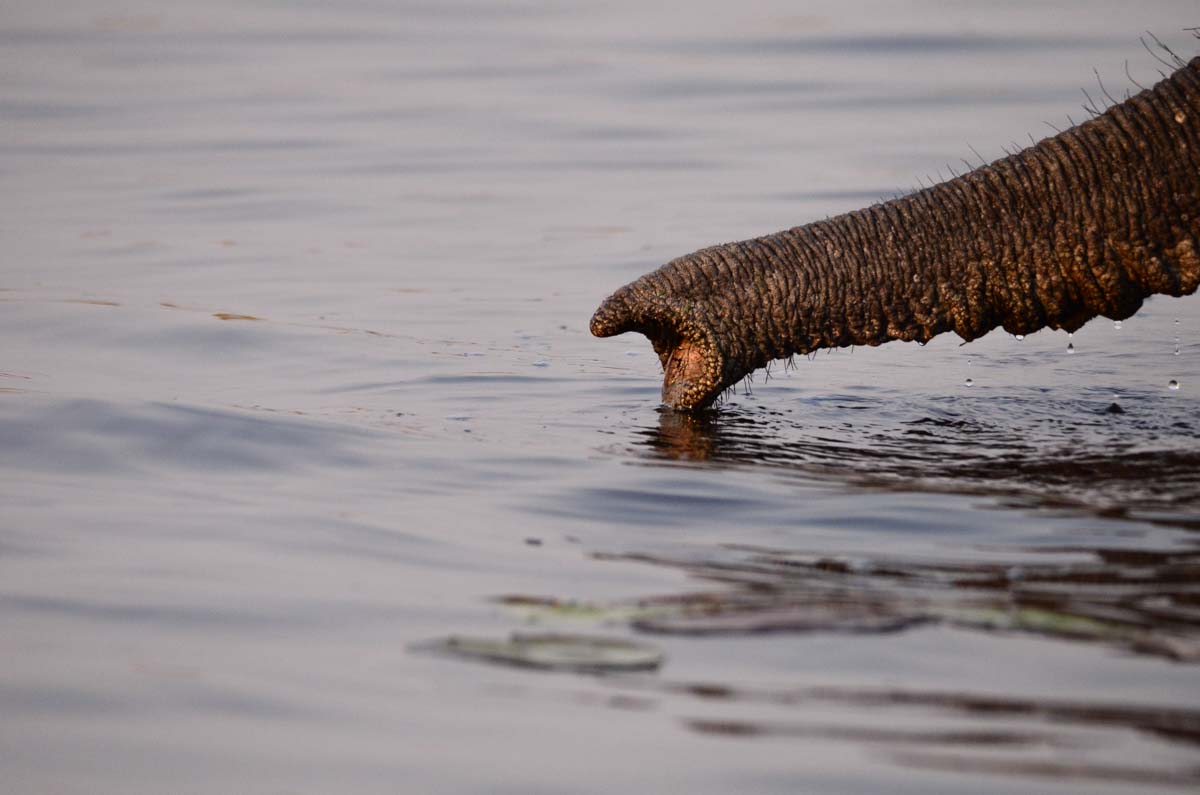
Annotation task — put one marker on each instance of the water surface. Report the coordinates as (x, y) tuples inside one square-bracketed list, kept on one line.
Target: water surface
[(296, 379)]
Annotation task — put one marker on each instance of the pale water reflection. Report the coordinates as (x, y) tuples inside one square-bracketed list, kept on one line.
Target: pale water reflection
[(296, 380)]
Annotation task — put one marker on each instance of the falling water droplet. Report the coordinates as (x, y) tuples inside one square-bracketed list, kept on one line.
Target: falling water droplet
[(1173, 385), (920, 344), (1070, 347), (631, 353), (541, 363), (1019, 337), (969, 382), (1117, 325), (1176, 350), (916, 277)]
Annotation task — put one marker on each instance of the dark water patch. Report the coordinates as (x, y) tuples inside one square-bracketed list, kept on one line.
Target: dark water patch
[(98, 438), (1014, 732), (661, 503), (1142, 609), (171, 692), (1140, 601), (255, 145), (31, 700), (941, 99), (402, 113), (492, 72), (163, 616), (206, 194), (487, 378), (868, 735), (202, 39), (1098, 774), (721, 88), (895, 45), (622, 133), (1157, 720), (90, 302), (1138, 606), (1070, 451), (249, 146), (13, 110), (552, 652)]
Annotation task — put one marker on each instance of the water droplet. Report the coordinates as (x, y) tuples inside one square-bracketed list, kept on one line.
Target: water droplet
[(1173, 385), (1176, 350), (916, 277), (921, 344), (541, 363), (1070, 334), (969, 382), (1070, 347), (631, 353), (1019, 337), (1117, 325)]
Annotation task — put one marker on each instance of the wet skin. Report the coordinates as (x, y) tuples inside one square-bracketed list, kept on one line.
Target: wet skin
[(1087, 223)]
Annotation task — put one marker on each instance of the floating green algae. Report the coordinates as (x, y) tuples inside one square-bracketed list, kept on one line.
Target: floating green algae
[(555, 652)]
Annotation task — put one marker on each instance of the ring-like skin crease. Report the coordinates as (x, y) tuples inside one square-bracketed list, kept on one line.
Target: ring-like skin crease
[(1088, 222)]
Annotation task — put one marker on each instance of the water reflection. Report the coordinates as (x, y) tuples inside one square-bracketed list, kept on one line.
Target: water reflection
[(1074, 455), (969, 732), (1143, 602)]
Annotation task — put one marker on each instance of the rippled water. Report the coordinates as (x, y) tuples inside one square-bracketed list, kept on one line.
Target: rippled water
[(296, 379)]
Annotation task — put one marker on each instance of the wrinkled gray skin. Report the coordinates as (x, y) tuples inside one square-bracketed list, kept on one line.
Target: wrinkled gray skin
[(1087, 223)]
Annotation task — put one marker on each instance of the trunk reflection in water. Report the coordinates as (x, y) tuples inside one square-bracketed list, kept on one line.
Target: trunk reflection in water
[(1131, 602), (1140, 602), (1073, 455)]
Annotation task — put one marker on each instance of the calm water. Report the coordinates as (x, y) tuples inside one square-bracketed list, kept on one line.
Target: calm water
[(295, 379)]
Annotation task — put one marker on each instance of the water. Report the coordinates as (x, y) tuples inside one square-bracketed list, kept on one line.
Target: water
[(296, 380)]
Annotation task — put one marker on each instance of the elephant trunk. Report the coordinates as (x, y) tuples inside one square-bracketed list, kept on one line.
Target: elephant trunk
[(1086, 223)]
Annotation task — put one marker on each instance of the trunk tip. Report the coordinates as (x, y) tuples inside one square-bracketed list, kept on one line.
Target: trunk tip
[(612, 318), (690, 382), (692, 366)]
